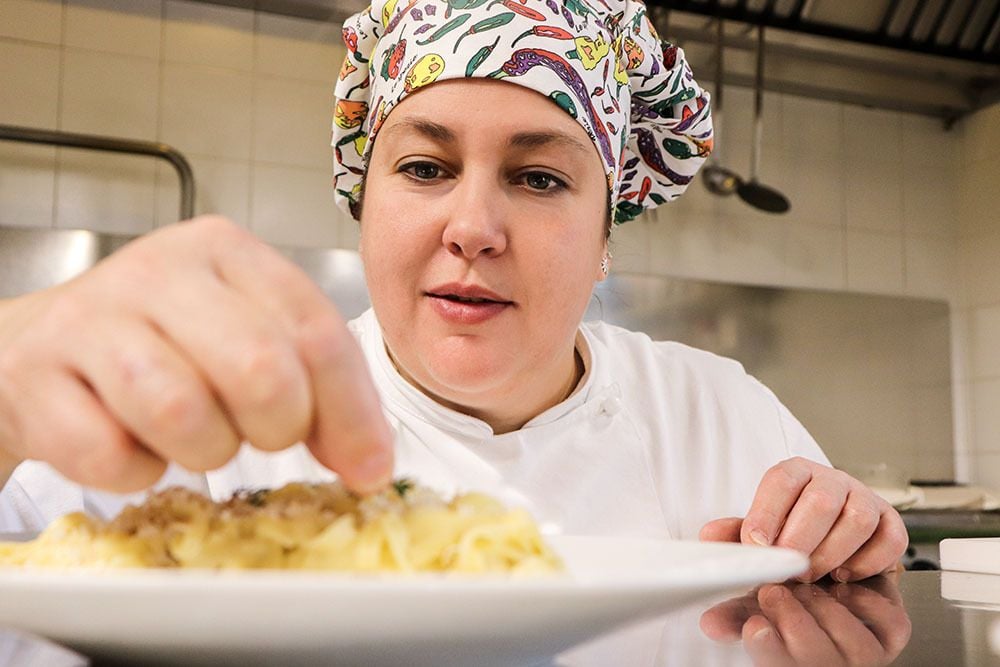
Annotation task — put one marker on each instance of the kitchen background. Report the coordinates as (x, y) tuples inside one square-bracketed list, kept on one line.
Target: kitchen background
[(883, 202)]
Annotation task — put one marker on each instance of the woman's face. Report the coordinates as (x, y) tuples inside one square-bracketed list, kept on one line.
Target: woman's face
[(482, 234)]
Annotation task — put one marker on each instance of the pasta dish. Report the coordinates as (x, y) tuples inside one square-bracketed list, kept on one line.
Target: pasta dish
[(298, 526)]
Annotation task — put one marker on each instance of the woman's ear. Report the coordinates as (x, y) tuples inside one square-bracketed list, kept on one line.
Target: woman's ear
[(604, 268)]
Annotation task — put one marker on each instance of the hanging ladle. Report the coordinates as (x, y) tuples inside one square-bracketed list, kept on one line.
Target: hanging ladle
[(719, 180), (754, 192)]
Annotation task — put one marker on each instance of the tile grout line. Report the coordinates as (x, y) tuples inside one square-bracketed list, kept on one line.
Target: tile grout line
[(59, 110), (159, 114)]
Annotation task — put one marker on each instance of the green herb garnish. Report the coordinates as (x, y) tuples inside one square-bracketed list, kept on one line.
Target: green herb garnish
[(402, 485), (258, 498)]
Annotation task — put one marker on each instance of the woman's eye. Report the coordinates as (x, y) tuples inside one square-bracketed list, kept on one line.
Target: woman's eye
[(537, 180), (424, 171)]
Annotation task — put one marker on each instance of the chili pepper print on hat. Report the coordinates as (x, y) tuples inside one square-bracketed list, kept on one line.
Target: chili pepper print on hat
[(599, 60)]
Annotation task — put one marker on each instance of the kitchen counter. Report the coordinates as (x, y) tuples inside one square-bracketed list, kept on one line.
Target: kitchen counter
[(904, 620)]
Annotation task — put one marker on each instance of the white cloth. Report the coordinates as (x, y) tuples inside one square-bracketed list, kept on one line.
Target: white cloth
[(658, 439)]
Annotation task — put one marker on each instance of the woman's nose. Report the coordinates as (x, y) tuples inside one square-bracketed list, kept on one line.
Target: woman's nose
[(475, 224)]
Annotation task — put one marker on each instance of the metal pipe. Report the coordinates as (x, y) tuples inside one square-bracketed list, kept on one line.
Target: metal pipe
[(989, 28), (739, 12), (911, 25), (963, 25), (112, 145), (935, 31), (890, 14)]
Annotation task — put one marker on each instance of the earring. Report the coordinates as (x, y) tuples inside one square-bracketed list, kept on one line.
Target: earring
[(606, 263)]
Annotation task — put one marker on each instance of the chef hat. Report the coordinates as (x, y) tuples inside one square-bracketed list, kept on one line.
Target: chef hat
[(599, 60)]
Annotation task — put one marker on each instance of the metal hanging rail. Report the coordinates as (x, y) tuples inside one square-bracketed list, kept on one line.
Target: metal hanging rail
[(112, 145), (970, 43)]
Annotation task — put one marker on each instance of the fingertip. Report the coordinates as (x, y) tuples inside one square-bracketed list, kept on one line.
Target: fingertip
[(372, 473)]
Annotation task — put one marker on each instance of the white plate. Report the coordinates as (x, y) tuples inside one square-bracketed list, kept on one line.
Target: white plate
[(317, 618)]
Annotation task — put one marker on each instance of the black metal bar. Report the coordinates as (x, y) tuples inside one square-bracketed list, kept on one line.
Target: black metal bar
[(796, 13), (734, 12), (890, 14), (935, 31), (742, 5), (769, 7), (989, 28), (911, 25), (963, 26), (112, 145)]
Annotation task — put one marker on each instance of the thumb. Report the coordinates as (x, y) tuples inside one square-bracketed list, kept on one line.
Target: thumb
[(721, 530)]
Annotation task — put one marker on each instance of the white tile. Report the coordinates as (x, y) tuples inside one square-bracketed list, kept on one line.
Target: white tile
[(27, 184), (131, 28), (221, 186), (293, 206), (961, 344), (979, 270), (110, 94), (986, 470), (813, 127), (931, 270), (299, 48), (292, 122), (629, 245), (985, 342), (986, 416), (203, 34), (930, 201), (874, 262), (348, 231), (927, 143), (29, 85), (979, 197), (736, 133), (873, 135), (814, 256), (105, 192), (817, 191), (935, 466), (751, 250), (982, 134), (874, 195), (33, 20), (684, 245), (207, 111)]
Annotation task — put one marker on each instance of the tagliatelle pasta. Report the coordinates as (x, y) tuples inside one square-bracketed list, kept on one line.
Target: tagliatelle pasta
[(298, 526)]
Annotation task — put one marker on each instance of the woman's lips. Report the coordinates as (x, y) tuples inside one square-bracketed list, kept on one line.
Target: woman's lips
[(458, 310), (466, 303)]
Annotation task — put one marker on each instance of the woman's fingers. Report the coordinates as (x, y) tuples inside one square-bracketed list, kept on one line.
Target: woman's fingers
[(176, 347), (815, 513), (857, 522), (881, 552), (348, 432), (68, 427), (842, 526), (776, 495), (721, 530), (155, 393)]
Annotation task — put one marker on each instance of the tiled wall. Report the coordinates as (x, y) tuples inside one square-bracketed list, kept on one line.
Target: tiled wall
[(977, 313), (246, 97), (876, 196)]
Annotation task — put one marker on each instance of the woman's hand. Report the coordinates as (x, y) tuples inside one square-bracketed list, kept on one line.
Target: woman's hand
[(177, 348), (846, 529), (838, 624)]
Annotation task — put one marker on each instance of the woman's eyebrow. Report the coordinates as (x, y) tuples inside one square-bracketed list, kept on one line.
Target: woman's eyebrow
[(524, 140), (428, 128), (539, 139)]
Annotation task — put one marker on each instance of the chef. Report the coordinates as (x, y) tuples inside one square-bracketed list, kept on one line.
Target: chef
[(486, 150)]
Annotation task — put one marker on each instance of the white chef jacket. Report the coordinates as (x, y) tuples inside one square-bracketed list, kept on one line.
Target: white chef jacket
[(658, 439)]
